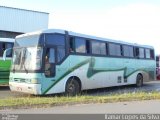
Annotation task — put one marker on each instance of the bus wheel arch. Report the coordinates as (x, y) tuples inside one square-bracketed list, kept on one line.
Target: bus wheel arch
[(73, 86), (139, 80)]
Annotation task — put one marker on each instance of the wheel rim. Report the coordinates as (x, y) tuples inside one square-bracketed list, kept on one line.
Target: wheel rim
[(139, 80), (71, 88)]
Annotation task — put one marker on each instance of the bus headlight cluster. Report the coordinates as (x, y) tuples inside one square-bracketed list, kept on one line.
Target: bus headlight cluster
[(11, 79), (34, 81)]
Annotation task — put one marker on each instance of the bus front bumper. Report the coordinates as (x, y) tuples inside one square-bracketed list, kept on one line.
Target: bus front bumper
[(25, 88)]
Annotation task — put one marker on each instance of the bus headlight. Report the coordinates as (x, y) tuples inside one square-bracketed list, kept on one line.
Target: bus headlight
[(34, 81), (11, 79)]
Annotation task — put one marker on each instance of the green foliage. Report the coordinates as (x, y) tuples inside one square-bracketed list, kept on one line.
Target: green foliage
[(34, 101)]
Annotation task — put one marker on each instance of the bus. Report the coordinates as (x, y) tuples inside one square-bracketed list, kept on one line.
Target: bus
[(158, 67), (5, 43), (59, 61)]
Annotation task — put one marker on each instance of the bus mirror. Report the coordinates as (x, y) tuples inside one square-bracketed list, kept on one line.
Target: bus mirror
[(5, 53)]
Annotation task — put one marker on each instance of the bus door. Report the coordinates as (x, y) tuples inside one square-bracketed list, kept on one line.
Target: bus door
[(50, 61)]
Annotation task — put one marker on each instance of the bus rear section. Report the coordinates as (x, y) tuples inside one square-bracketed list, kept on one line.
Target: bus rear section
[(158, 67), (5, 43)]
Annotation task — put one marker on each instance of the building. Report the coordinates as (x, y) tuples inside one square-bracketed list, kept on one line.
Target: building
[(14, 21)]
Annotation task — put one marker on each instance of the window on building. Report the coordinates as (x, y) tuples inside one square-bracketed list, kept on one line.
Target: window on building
[(7, 34), (114, 49), (128, 51)]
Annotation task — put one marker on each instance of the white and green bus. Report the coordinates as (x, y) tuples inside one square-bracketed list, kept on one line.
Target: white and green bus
[(5, 43), (56, 61)]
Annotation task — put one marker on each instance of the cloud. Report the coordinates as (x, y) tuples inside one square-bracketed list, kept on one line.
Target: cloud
[(136, 23)]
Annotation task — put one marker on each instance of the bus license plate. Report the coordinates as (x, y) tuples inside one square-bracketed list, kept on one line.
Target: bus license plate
[(19, 89)]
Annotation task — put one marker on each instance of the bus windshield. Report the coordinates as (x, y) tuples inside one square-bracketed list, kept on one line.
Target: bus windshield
[(26, 41), (27, 59)]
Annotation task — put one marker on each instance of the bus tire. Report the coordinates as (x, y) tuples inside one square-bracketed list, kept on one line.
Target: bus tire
[(72, 87), (139, 80)]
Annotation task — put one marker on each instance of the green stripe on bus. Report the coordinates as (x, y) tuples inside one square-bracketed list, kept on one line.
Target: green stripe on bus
[(66, 73), (91, 71)]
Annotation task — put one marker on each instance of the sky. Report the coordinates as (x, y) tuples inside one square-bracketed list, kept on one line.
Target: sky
[(135, 21)]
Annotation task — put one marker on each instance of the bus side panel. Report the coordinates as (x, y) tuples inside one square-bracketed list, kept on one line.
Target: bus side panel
[(4, 71), (56, 84), (98, 72)]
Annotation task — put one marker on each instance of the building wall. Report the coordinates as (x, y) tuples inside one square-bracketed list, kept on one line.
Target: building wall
[(15, 21), (8, 34)]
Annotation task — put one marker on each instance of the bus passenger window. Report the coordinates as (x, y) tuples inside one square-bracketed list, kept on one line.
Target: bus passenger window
[(147, 52), (7, 46), (152, 54), (71, 44), (1, 49), (50, 55), (87, 46), (80, 45), (114, 49), (60, 53), (137, 52), (49, 62)]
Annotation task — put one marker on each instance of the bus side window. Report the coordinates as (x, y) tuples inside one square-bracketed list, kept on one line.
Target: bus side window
[(1, 49), (8, 45), (152, 54), (71, 44), (88, 47), (137, 52), (50, 55), (49, 62)]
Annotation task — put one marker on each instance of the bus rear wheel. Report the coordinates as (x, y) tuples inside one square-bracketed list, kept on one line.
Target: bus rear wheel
[(139, 80), (72, 87)]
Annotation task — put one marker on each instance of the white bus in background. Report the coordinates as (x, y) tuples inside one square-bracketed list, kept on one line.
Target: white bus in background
[(56, 61), (5, 43)]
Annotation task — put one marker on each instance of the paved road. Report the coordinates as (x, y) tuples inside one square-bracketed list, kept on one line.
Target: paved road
[(147, 87), (150, 86), (143, 107), (6, 93)]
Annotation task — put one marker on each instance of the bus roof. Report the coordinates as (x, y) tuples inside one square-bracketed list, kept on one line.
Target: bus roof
[(7, 40), (83, 35)]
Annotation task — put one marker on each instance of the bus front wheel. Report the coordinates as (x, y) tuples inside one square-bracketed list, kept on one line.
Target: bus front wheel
[(72, 87), (139, 80)]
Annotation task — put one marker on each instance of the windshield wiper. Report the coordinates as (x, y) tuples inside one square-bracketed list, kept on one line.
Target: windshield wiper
[(17, 58), (23, 59)]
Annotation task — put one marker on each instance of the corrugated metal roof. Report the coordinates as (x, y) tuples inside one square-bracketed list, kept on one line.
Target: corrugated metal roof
[(23, 21), (24, 9)]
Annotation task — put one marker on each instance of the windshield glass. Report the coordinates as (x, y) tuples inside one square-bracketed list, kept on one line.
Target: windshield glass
[(27, 58), (32, 40)]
